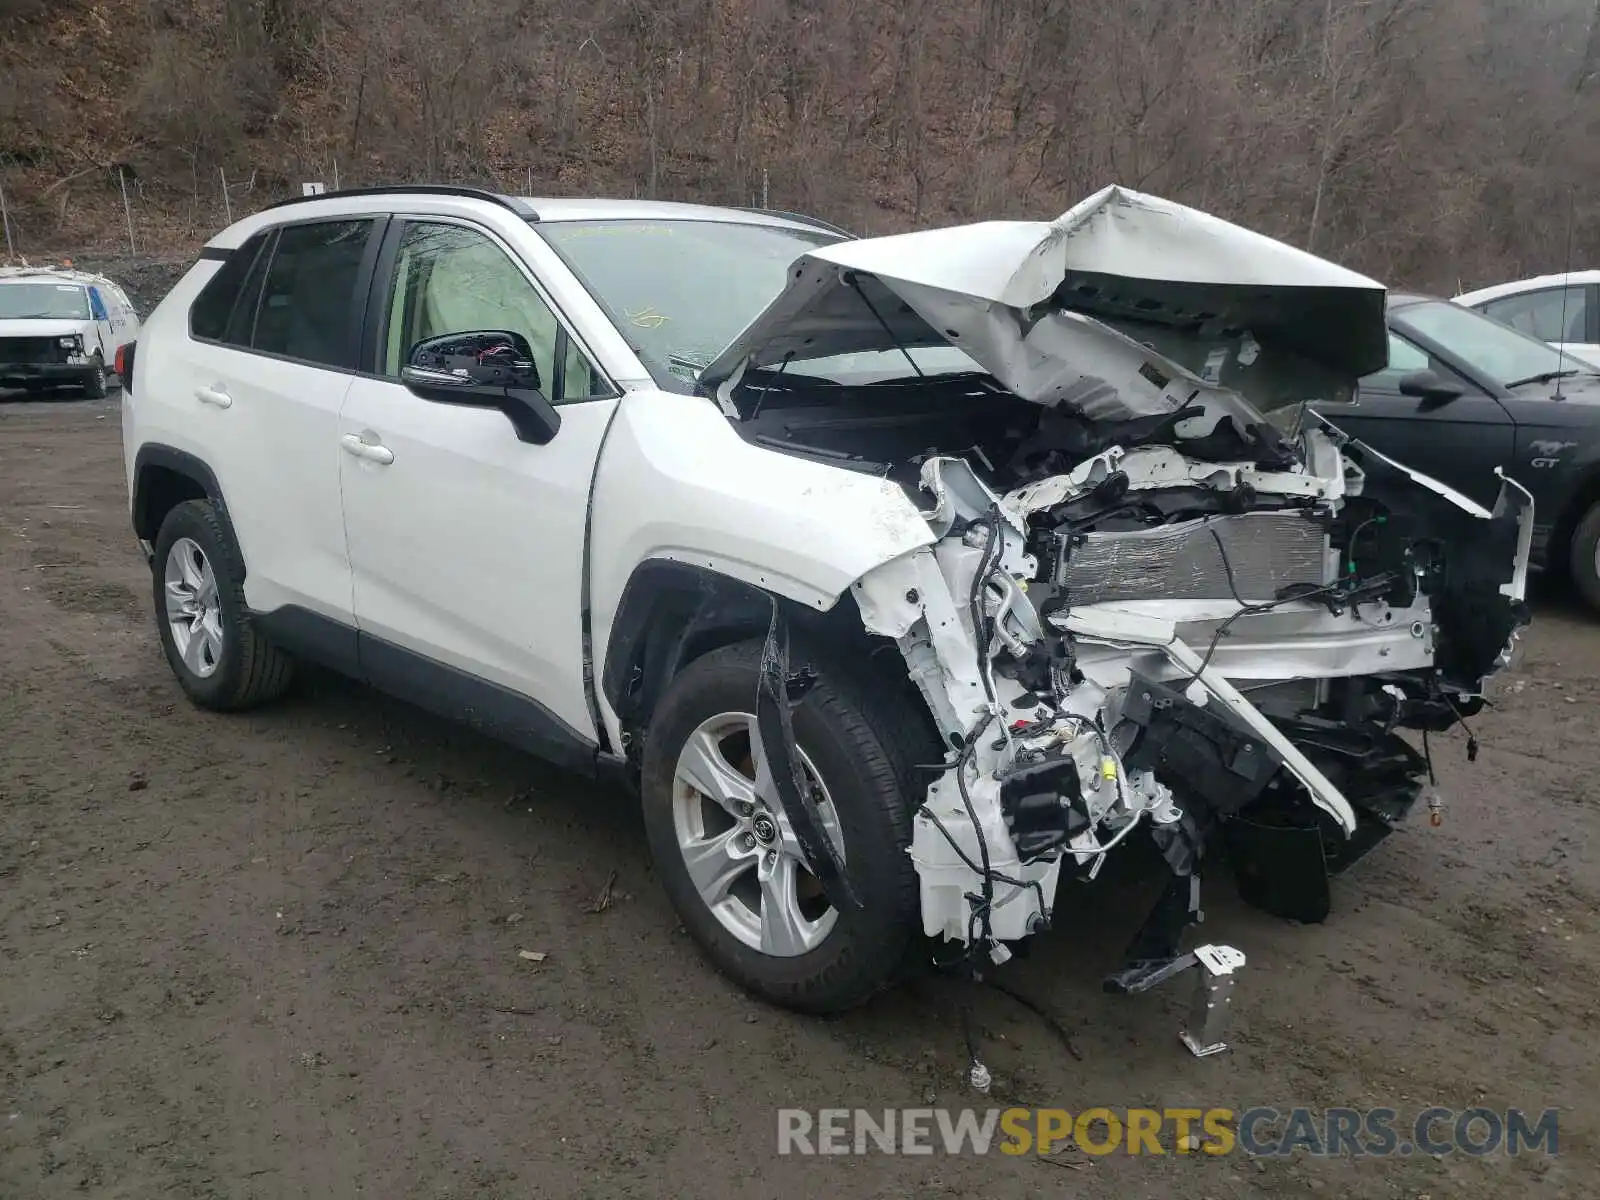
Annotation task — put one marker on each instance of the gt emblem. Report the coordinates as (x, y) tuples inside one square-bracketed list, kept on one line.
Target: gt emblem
[(1547, 454)]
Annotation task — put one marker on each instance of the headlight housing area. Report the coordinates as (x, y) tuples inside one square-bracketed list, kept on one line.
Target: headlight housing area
[(73, 341)]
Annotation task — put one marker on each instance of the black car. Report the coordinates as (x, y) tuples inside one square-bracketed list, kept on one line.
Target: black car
[(1464, 394)]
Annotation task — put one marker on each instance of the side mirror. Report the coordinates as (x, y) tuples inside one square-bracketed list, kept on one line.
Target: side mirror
[(487, 368), (1430, 387)]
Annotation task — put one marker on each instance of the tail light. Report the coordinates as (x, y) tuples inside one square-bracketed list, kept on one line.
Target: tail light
[(124, 366)]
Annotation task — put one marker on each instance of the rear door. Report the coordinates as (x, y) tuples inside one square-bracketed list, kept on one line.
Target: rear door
[(270, 358), (1459, 442)]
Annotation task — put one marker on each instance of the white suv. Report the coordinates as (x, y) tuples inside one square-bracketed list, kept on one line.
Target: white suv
[(903, 577)]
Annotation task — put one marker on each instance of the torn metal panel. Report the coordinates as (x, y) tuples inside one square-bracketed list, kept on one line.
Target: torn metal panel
[(1299, 641), (1121, 628)]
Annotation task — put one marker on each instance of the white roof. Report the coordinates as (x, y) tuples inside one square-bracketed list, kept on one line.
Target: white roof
[(596, 209), (545, 209), (1537, 283), (49, 275)]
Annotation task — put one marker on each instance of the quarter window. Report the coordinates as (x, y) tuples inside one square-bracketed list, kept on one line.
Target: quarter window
[(215, 314), (451, 279)]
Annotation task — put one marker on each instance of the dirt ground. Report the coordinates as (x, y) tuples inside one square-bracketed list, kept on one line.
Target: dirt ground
[(277, 955)]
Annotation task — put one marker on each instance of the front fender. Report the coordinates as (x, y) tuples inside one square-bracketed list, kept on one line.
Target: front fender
[(676, 483)]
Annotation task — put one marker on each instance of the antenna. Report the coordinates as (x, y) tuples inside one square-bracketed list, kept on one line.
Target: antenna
[(1566, 278)]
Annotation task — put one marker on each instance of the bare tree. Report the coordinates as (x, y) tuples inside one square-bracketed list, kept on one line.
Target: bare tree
[(1424, 141)]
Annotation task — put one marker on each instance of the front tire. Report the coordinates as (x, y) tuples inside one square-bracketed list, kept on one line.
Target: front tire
[(1583, 557), (727, 858), (220, 658), (95, 385)]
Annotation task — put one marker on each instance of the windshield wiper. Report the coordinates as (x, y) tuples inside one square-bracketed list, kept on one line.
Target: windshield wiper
[(1544, 377)]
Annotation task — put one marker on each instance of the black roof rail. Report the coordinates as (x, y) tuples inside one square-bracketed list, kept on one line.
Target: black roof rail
[(515, 204), (800, 218)]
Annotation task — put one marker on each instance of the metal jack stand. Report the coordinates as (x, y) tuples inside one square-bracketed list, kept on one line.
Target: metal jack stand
[(1153, 958), (1208, 1021)]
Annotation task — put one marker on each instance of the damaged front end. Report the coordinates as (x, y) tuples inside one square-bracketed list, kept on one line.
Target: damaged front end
[(1150, 611)]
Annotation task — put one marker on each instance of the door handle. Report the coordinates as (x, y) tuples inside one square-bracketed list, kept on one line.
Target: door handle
[(367, 450), (214, 395)]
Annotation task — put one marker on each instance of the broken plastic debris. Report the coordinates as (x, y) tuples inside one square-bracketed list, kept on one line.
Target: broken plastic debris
[(532, 955)]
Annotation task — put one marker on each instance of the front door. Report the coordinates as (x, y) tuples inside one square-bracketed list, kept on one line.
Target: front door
[(466, 545)]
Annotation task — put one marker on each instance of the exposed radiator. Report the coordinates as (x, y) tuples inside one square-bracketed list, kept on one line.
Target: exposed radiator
[(1267, 551)]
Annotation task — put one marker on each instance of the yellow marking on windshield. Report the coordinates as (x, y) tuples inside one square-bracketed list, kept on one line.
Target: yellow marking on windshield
[(647, 317)]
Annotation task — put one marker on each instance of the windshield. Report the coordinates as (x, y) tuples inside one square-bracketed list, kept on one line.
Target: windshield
[(1485, 346), (681, 291), (62, 301)]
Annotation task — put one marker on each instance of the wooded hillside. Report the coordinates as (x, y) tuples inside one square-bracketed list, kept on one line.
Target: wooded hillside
[(1425, 141)]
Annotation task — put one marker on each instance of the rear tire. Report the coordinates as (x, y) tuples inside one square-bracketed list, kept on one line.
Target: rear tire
[(96, 386), (1581, 557), (853, 738), (220, 658)]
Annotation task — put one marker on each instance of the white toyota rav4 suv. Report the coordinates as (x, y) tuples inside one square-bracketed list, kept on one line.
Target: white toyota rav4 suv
[(905, 578)]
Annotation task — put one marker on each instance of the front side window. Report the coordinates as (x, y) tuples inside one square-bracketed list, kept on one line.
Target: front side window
[(46, 301), (1487, 348), (1404, 358), (452, 279), (308, 302), (1551, 315)]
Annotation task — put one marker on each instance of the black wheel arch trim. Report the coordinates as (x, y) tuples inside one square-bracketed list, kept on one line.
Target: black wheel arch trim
[(154, 454), (666, 608), (671, 613), (1578, 496)]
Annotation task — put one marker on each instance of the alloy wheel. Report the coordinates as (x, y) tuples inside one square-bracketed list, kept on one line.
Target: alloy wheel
[(194, 609), (738, 844)]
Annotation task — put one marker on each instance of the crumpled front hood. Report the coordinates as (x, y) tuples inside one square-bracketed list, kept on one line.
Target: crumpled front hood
[(1198, 297), (36, 327)]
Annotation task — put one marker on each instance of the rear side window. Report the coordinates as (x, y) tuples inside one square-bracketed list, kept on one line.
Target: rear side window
[(1551, 315), (214, 309), (308, 303)]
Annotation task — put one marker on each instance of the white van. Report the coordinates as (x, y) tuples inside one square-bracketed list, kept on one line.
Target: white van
[(61, 326)]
